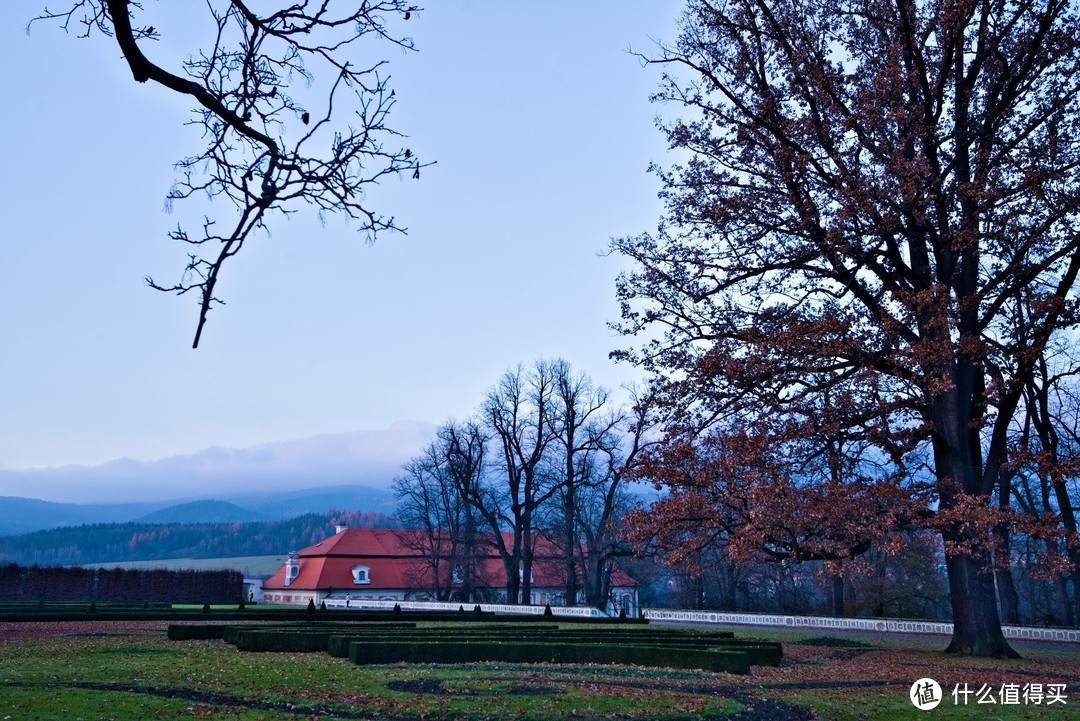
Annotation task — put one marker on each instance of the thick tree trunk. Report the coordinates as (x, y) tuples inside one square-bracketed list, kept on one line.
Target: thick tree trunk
[(513, 583), (976, 624), (959, 463)]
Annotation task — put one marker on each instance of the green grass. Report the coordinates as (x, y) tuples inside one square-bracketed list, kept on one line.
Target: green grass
[(852, 676), (248, 565), (129, 670)]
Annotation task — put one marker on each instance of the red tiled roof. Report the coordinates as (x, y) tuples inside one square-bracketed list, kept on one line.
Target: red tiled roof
[(394, 563)]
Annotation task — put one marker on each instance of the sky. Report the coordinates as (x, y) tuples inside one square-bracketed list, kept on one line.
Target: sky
[(539, 119)]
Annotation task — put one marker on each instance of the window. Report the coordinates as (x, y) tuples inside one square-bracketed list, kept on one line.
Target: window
[(361, 575), (292, 568)]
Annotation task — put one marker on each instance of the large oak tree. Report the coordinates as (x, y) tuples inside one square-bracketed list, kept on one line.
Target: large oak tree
[(867, 192)]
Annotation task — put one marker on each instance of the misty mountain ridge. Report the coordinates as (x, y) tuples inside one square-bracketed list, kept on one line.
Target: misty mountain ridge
[(367, 457), (26, 515), (121, 543), (202, 512)]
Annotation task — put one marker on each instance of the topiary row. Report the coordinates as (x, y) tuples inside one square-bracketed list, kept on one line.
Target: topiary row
[(231, 633), (396, 642), (505, 651), (708, 650)]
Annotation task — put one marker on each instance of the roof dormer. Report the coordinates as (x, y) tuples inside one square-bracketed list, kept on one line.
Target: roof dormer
[(361, 575)]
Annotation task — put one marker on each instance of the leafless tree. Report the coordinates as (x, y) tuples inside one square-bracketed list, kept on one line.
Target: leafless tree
[(433, 496), (465, 448), (289, 116), (519, 413), (428, 503), (580, 435), (1049, 445), (604, 501)]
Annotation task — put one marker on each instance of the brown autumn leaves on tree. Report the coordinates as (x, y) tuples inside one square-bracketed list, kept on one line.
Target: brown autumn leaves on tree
[(871, 193), (271, 144)]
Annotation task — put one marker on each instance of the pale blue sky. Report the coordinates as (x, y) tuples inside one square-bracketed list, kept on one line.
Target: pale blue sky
[(540, 122)]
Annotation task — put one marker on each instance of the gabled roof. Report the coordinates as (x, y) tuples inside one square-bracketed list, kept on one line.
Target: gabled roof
[(395, 563)]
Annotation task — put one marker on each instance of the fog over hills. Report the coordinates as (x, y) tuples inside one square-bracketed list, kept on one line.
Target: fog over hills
[(368, 458), (26, 515), (208, 511)]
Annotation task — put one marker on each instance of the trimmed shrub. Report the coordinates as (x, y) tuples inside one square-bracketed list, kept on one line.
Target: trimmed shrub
[(303, 641), (299, 637), (383, 652), (195, 632)]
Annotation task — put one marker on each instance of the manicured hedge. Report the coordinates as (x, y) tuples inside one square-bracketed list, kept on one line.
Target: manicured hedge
[(759, 653), (383, 652), (338, 645), (74, 583), (302, 641), (194, 632), (383, 638), (302, 638)]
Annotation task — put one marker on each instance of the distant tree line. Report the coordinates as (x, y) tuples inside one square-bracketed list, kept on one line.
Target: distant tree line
[(119, 542), (59, 583)]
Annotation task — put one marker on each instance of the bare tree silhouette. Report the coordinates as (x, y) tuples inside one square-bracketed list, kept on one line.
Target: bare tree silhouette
[(274, 139)]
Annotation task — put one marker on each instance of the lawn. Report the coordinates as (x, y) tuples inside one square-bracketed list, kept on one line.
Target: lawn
[(99, 670), (248, 565)]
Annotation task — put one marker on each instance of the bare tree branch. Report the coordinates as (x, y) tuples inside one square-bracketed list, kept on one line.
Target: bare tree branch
[(266, 150)]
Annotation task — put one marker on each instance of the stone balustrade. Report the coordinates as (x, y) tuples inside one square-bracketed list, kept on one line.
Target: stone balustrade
[(575, 611), (881, 625)]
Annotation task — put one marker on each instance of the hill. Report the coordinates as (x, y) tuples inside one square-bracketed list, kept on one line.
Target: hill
[(26, 515), (124, 542), (288, 504), (203, 512)]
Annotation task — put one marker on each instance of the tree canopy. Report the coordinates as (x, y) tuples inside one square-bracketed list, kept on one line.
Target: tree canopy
[(869, 244)]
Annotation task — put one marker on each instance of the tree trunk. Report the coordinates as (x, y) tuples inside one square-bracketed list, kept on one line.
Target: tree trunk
[(730, 586), (1072, 540), (836, 582), (526, 564), (959, 464), (570, 503), (1008, 599), (513, 582), (1063, 612), (976, 624)]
